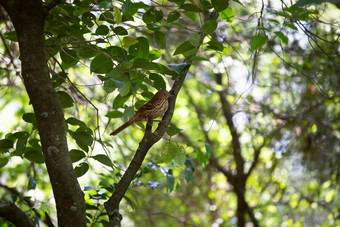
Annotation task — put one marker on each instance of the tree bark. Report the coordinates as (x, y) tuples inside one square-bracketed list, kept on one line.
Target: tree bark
[(28, 17), (14, 214), (241, 204)]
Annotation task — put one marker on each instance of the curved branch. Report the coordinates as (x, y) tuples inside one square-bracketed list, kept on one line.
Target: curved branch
[(15, 191), (14, 214), (257, 152)]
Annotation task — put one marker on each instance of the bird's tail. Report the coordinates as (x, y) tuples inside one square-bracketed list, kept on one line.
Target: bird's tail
[(121, 128)]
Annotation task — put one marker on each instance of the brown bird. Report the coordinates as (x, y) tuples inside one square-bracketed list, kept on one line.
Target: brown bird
[(156, 107)]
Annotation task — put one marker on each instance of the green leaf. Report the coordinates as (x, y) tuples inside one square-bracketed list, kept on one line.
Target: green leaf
[(101, 64), (158, 81), (310, 2), (107, 17), (215, 45), (145, 64), (201, 158), (34, 155), (117, 53), (170, 179), (103, 159), (173, 16), (119, 102), (152, 16), (226, 50), (178, 25), (209, 26), (154, 54), (160, 39), (128, 41), (29, 118), (123, 91), (102, 30), (3, 162), (65, 99), (92, 207), (69, 58), (189, 170), (208, 150), (191, 8), (117, 15), (219, 5), (6, 144), (238, 1), (21, 143), (32, 183), (178, 67), (87, 18), (299, 13), (105, 5), (83, 138), (198, 58), (206, 5), (191, 15), (114, 77), (292, 26), (58, 79), (257, 42), (75, 121), (35, 143), (141, 63), (110, 85), (147, 95), (87, 51), (119, 30), (178, 2), (114, 114), (180, 156), (11, 36), (81, 169), (195, 39), (129, 112), (171, 130), (227, 15), (184, 47), (140, 49), (330, 196), (77, 155), (172, 148), (281, 36)]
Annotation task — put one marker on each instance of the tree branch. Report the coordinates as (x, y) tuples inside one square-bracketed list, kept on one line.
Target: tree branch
[(149, 139), (14, 191), (227, 173), (257, 152), (226, 108), (14, 214)]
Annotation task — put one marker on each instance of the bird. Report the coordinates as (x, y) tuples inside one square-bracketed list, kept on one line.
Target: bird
[(156, 107)]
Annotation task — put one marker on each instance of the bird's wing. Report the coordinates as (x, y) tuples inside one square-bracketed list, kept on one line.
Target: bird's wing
[(147, 106)]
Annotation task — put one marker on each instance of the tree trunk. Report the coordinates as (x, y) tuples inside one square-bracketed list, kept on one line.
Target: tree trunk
[(28, 17), (241, 205)]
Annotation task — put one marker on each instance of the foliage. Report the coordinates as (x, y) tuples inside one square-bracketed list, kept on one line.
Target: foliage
[(260, 105)]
